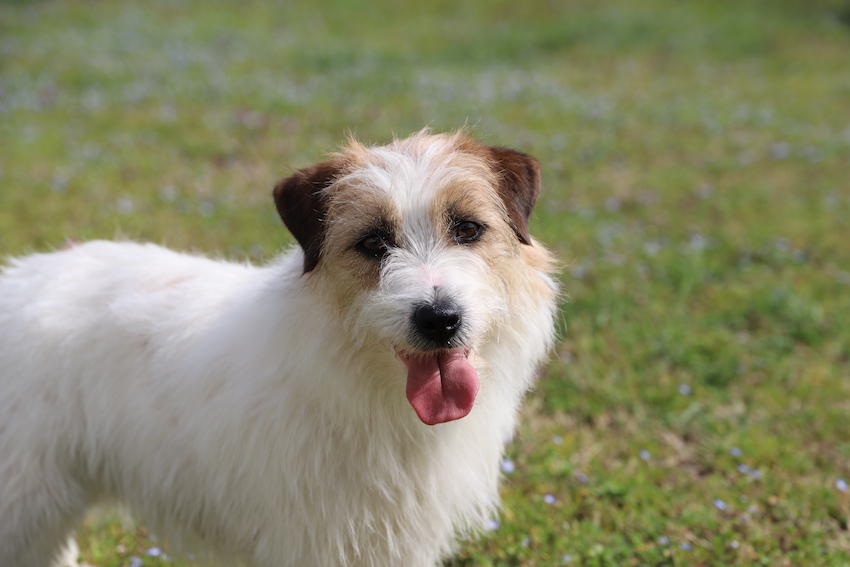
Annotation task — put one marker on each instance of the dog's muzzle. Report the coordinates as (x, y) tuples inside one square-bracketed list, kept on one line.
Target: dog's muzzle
[(441, 381)]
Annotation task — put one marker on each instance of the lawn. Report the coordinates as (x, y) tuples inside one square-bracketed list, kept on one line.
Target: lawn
[(696, 160)]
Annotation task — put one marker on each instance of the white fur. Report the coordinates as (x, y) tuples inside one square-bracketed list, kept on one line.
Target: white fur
[(234, 410)]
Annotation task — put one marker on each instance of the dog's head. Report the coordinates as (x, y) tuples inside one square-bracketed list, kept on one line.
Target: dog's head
[(422, 243)]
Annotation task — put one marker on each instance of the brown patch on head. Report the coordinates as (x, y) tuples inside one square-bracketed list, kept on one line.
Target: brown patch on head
[(473, 199), (519, 186), (517, 181), (302, 203)]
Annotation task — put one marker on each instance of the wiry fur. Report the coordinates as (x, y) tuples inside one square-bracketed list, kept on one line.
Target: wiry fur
[(259, 413)]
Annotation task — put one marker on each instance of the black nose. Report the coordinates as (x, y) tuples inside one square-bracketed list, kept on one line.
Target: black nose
[(438, 322)]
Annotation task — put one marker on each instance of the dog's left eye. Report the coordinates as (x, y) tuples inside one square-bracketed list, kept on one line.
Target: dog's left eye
[(466, 232), (373, 245)]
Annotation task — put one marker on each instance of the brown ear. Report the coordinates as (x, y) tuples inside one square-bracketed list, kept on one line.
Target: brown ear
[(302, 204), (519, 186)]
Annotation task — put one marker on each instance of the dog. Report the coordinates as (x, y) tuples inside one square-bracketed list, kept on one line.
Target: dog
[(345, 405)]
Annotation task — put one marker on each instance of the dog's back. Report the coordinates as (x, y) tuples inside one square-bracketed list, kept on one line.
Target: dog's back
[(81, 334)]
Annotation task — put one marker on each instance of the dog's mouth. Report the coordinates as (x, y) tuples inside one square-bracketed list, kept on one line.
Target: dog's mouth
[(441, 385)]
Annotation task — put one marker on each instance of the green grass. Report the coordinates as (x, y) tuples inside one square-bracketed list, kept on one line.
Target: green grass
[(696, 157)]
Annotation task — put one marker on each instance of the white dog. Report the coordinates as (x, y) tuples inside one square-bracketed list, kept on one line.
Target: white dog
[(345, 405)]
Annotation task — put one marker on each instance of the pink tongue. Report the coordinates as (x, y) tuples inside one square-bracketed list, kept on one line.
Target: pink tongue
[(441, 387)]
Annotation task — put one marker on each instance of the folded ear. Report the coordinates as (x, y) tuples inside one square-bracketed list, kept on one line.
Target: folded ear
[(519, 186), (302, 204)]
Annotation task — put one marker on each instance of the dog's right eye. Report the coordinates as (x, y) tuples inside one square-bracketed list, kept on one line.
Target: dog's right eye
[(373, 245)]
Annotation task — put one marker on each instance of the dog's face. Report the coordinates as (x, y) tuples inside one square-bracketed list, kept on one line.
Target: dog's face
[(419, 245)]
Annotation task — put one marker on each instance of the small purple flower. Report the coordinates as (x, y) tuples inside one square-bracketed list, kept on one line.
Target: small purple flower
[(645, 455), (685, 389), (508, 466), (578, 271), (154, 552), (168, 193), (652, 248), (492, 525), (125, 205), (735, 452), (135, 562), (841, 485), (206, 209), (704, 190), (698, 242), (780, 150), (685, 546), (720, 504), (549, 499), (612, 204), (664, 540)]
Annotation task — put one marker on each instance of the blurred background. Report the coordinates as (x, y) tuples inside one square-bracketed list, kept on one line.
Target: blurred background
[(696, 158)]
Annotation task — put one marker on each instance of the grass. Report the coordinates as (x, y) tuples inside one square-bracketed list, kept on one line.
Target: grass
[(695, 167)]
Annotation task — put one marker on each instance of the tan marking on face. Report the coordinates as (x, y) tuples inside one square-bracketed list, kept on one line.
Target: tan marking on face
[(471, 201), (355, 212), (518, 181), (473, 196), (515, 264)]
